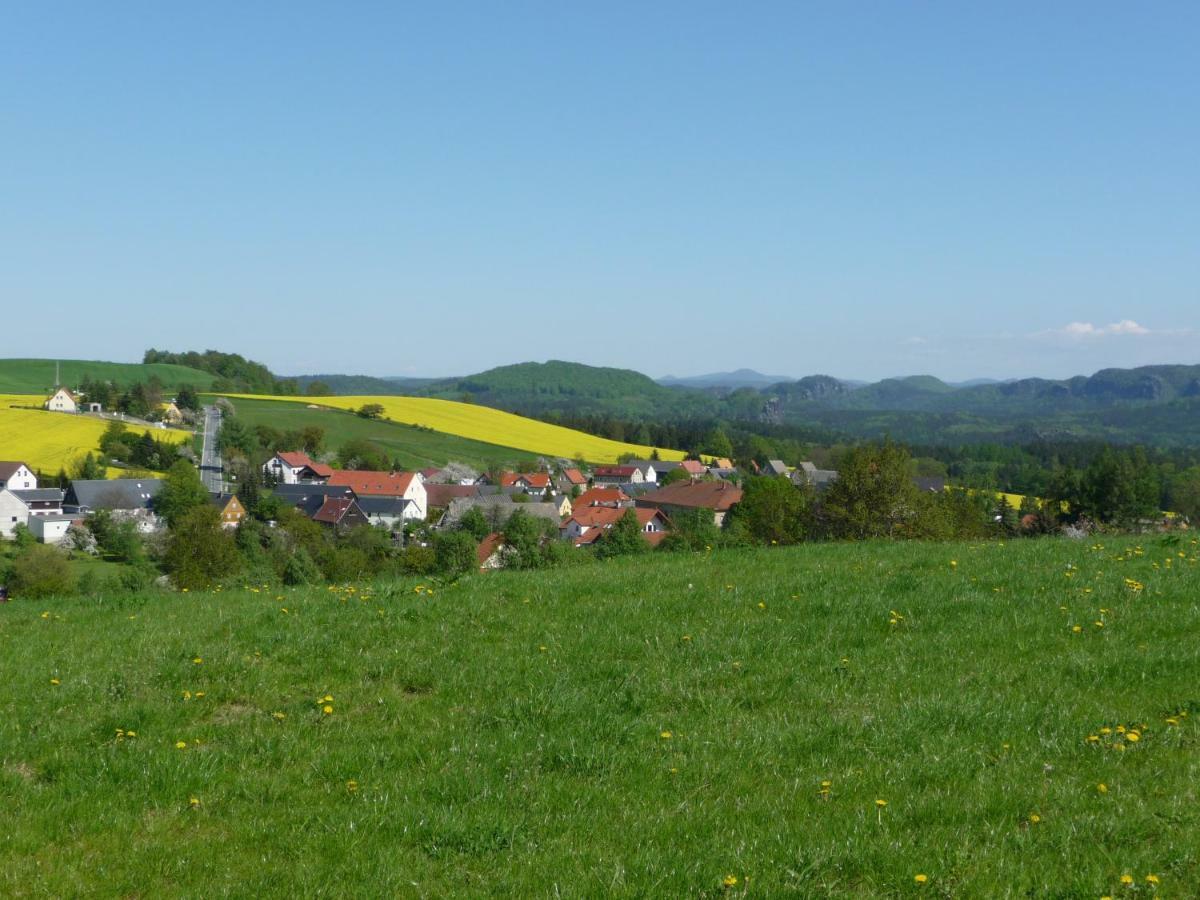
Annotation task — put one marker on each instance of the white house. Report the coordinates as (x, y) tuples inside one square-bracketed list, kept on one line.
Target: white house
[(62, 400), (296, 468), (51, 529), (16, 476), (402, 485), (13, 512)]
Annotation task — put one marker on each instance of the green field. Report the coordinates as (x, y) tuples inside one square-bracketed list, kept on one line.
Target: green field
[(631, 728), (35, 376), (415, 448)]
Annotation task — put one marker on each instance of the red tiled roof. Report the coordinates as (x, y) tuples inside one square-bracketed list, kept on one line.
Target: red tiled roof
[(333, 510), (574, 476), (374, 484), (693, 467), (488, 546), (600, 497), (533, 479), (296, 459), (596, 516), (430, 472), (714, 495)]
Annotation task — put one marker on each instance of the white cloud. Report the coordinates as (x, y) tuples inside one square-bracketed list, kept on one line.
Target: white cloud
[(1086, 330)]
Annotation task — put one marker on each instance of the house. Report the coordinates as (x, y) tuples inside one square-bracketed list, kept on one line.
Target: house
[(128, 499), (490, 552), (42, 501), (808, 475), (694, 467), (775, 467), (587, 525), (496, 509), (438, 496), (308, 498), (52, 529), (722, 462), (648, 468), (295, 467), (13, 512), (230, 507), (618, 475), (405, 485), (529, 483), (597, 496), (170, 413), (716, 496), (571, 478), (341, 513), (386, 512), (62, 400), (562, 503), (16, 476)]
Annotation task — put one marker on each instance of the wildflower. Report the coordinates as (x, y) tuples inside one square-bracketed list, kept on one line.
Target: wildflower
[(920, 878), (352, 786), (279, 716), (729, 881), (55, 681), (1102, 788), (1077, 628), (198, 660), (327, 709), (1152, 879), (687, 637), (666, 735), (181, 745), (881, 803), (1133, 737), (1126, 878), (131, 734), (194, 802), (954, 563), (762, 605), (1172, 721), (1034, 818)]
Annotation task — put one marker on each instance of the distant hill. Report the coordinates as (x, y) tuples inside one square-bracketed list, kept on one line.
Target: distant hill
[(349, 385), (36, 376), (737, 379)]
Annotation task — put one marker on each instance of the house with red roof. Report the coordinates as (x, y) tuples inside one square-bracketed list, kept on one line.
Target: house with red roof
[(295, 467), (341, 513), (718, 497), (618, 475), (587, 525), (529, 482), (602, 496), (403, 485), (571, 478)]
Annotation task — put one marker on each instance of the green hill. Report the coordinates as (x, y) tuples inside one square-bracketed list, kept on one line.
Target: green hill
[(824, 721), (36, 376)]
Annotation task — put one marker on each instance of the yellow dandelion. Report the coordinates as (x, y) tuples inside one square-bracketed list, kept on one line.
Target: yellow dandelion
[(1126, 878), (194, 802), (1133, 737), (198, 660), (1152, 879), (55, 681), (180, 745), (1102, 788), (1077, 628), (881, 803), (280, 716), (729, 881), (762, 605), (665, 735), (327, 709), (1034, 818), (352, 786), (920, 878)]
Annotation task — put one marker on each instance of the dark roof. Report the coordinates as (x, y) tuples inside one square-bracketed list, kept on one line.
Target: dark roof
[(220, 500), (41, 495), (378, 506), (8, 469), (118, 493), (440, 495), (307, 498), (337, 509)]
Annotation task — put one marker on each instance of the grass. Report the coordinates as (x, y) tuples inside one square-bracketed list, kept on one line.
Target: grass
[(36, 376), (416, 448), (633, 728), (48, 441), (491, 426)]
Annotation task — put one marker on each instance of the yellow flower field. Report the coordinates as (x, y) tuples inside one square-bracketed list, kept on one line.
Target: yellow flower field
[(50, 441), (482, 423)]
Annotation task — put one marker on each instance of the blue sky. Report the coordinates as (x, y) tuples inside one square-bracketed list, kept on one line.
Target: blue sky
[(864, 190)]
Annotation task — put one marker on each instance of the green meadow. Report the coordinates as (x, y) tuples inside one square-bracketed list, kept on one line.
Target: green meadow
[(1005, 720), (36, 376)]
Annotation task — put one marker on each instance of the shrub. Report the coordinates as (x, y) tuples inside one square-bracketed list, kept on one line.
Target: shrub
[(41, 571)]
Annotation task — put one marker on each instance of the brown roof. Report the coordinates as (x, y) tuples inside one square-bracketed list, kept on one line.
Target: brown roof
[(599, 497), (377, 484), (440, 495), (533, 479), (574, 476), (615, 471), (714, 495), (296, 459), (488, 546), (601, 518), (8, 469), (333, 510), (693, 467)]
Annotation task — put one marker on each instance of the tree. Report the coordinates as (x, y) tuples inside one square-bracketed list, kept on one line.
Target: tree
[(300, 568), (370, 410), (674, 476), (318, 389), (624, 538), (200, 553), (187, 398), (717, 443), (359, 453), (455, 552), (1183, 493), (873, 495), (87, 469), (41, 571), (312, 439), (474, 523), (774, 510), (181, 492)]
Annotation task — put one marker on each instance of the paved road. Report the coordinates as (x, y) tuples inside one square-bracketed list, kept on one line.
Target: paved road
[(211, 471)]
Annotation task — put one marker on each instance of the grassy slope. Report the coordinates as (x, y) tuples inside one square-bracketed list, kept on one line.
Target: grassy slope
[(481, 423), (21, 376), (415, 447), (506, 734)]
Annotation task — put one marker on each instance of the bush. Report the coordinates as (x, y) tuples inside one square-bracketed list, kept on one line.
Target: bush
[(300, 569), (454, 553), (200, 553), (41, 571)]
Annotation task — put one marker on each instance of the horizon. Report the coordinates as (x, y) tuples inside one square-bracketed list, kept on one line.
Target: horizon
[(942, 189)]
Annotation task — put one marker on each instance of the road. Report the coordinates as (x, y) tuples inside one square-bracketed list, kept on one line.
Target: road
[(211, 470)]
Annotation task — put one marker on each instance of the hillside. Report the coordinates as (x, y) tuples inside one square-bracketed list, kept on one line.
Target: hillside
[(414, 448), (49, 441), (832, 720), (486, 425), (36, 376)]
